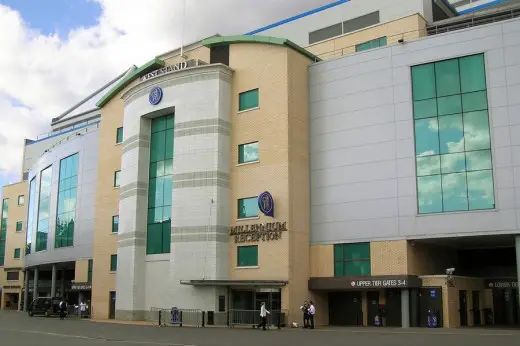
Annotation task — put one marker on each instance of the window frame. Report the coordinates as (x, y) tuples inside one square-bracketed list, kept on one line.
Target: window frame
[(12, 272), (240, 146), (90, 270), (23, 200), (445, 206), (114, 224), (117, 177), (247, 247), (19, 223), (247, 217), (19, 253), (113, 265), (119, 135), (257, 90), (345, 258)]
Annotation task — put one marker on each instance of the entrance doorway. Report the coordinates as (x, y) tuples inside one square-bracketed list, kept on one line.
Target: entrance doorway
[(463, 307), (430, 299), (476, 308), (393, 308), (112, 308), (11, 301), (373, 307), (345, 309)]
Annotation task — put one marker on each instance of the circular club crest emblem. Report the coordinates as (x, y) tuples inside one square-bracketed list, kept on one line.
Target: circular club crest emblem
[(266, 203), (353, 283), (155, 96)]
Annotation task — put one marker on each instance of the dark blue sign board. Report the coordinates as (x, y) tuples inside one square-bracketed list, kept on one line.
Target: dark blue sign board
[(155, 96), (266, 204)]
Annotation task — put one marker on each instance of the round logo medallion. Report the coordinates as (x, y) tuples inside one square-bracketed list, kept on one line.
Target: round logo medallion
[(155, 96), (266, 204)]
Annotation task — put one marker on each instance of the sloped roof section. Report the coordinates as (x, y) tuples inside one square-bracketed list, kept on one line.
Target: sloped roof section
[(225, 40), (129, 78), (89, 103)]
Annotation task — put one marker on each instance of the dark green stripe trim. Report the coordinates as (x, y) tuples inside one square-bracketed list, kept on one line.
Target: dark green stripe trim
[(226, 40), (149, 66)]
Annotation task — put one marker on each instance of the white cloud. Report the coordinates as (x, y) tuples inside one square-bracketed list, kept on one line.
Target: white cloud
[(48, 74)]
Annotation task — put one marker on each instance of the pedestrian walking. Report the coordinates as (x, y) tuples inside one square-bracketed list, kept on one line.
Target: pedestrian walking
[(63, 308), (263, 316), (305, 309), (312, 312), (82, 309)]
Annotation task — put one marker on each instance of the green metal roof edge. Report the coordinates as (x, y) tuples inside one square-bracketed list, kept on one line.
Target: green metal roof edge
[(223, 40), (123, 83)]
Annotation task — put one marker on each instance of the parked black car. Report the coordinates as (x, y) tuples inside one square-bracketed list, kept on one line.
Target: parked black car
[(45, 307)]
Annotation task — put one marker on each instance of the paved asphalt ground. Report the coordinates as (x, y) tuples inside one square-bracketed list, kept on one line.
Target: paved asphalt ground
[(17, 329)]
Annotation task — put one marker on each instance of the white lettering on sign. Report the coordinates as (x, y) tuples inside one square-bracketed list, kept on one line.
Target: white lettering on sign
[(379, 283), (504, 284), (168, 69)]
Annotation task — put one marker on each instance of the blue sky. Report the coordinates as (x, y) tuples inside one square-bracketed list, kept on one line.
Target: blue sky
[(56, 16)]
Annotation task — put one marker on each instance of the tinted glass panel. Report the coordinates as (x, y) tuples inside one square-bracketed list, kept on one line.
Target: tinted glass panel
[(247, 207), (44, 208), (248, 152), (30, 216), (66, 211), (248, 100), (453, 160), (160, 186), (247, 256)]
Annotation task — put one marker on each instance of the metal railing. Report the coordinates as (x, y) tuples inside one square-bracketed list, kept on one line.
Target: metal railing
[(231, 318), (65, 129), (75, 311)]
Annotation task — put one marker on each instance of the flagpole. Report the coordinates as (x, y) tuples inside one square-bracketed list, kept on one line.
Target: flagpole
[(182, 30)]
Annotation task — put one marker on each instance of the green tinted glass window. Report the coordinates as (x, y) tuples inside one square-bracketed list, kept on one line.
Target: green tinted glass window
[(66, 212), (452, 136), (423, 82), (16, 253), (248, 152), (19, 226), (90, 269), (119, 135), (115, 224), (113, 263), (160, 187), (44, 208), (248, 100), (247, 256), (30, 216), (378, 42), (352, 259), (247, 207)]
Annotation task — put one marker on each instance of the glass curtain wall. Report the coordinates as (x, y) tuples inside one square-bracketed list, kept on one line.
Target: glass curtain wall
[(30, 216), (160, 187), (67, 190), (44, 208), (3, 229), (452, 140)]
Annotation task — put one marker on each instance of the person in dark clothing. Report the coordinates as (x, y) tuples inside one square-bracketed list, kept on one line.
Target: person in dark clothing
[(63, 309), (305, 309), (312, 312)]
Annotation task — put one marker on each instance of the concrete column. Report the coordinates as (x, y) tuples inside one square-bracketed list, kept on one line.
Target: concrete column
[(405, 308), (517, 245), (62, 284), (26, 291), (35, 288), (414, 301), (53, 282)]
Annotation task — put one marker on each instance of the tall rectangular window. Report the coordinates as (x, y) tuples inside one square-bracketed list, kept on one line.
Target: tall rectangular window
[(90, 269), (67, 189), (115, 224), (17, 253), (117, 177), (452, 137), (248, 152), (247, 256), (248, 100), (160, 187), (44, 208), (21, 200), (119, 135), (3, 229), (352, 259), (113, 263), (378, 42), (19, 226), (247, 207), (30, 216)]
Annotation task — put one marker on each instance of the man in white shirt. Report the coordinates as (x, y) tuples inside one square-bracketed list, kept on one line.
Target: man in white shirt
[(312, 312), (82, 309), (263, 316)]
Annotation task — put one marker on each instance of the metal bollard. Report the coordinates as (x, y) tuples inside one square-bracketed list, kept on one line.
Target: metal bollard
[(160, 313), (203, 315), (180, 319), (279, 320)]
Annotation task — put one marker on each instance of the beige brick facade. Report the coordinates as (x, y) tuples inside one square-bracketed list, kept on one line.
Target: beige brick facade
[(15, 240)]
